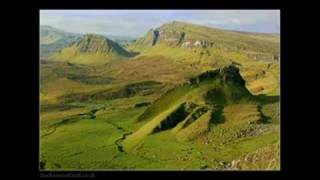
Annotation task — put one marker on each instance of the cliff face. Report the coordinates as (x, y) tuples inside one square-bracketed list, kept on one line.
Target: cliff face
[(228, 74), (176, 34), (185, 36)]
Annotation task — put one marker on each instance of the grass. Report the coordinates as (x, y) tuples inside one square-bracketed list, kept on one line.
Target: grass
[(264, 158), (53, 116), (230, 134), (86, 143), (195, 129), (221, 38), (177, 155), (69, 54), (166, 107), (91, 50), (90, 143), (73, 150)]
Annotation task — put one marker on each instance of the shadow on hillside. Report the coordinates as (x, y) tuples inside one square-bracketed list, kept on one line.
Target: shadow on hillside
[(264, 99), (217, 116), (134, 53)]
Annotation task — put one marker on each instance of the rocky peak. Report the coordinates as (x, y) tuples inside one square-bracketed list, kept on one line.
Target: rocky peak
[(227, 74), (231, 73), (175, 34), (93, 43)]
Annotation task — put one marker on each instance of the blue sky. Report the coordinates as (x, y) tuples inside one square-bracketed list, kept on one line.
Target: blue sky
[(135, 23)]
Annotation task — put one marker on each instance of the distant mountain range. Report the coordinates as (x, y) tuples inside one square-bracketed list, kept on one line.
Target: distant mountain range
[(174, 39), (52, 40)]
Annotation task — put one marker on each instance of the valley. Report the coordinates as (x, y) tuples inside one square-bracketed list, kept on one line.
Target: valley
[(182, 97)]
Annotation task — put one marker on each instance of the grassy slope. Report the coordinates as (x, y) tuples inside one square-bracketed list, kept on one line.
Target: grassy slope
[(90, 144), (92, 50), (224, 39), (228, 45), (87, 144), (62, 150), (70, 54)]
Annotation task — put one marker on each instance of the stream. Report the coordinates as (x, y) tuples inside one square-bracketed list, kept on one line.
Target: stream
[(118, 142), (90, 115), (74, 118)]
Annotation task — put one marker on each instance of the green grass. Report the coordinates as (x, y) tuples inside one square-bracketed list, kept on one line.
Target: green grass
[(195, 129), (85, 144), (165, 148), (72, 146), (91, 50), (90, 143), (237, 127)]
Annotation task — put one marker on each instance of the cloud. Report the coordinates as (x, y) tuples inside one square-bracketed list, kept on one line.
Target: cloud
[(138, 22)]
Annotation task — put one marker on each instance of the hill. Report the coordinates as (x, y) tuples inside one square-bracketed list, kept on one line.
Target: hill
[(210, 122), (92, 49), (201, 40), (204, 48), (201, 99), (163, 103)]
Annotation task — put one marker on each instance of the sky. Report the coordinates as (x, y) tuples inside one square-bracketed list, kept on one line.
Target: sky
[(136, 23)]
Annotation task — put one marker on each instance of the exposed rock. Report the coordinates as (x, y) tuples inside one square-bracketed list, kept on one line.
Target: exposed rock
[(186, 44), (156, 37), (197, 43), (235, 164), (227, 74), (231, 74)]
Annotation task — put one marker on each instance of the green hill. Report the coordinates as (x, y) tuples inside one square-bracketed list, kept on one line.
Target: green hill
[(163, 103), (93, 50), (204, 48), (195, 40), (201, 99)]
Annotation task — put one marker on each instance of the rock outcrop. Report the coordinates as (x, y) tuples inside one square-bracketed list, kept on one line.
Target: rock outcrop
[(227, 74), (173, 34)]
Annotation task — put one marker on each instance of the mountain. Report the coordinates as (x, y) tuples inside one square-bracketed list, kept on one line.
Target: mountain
[(204, 48), (92, 49), (194, 98), (178, 37), (197, 103), (49, 34), (52, 40)]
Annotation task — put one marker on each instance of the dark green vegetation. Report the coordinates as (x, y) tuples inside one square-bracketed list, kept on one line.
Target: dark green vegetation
[(182, 97)]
